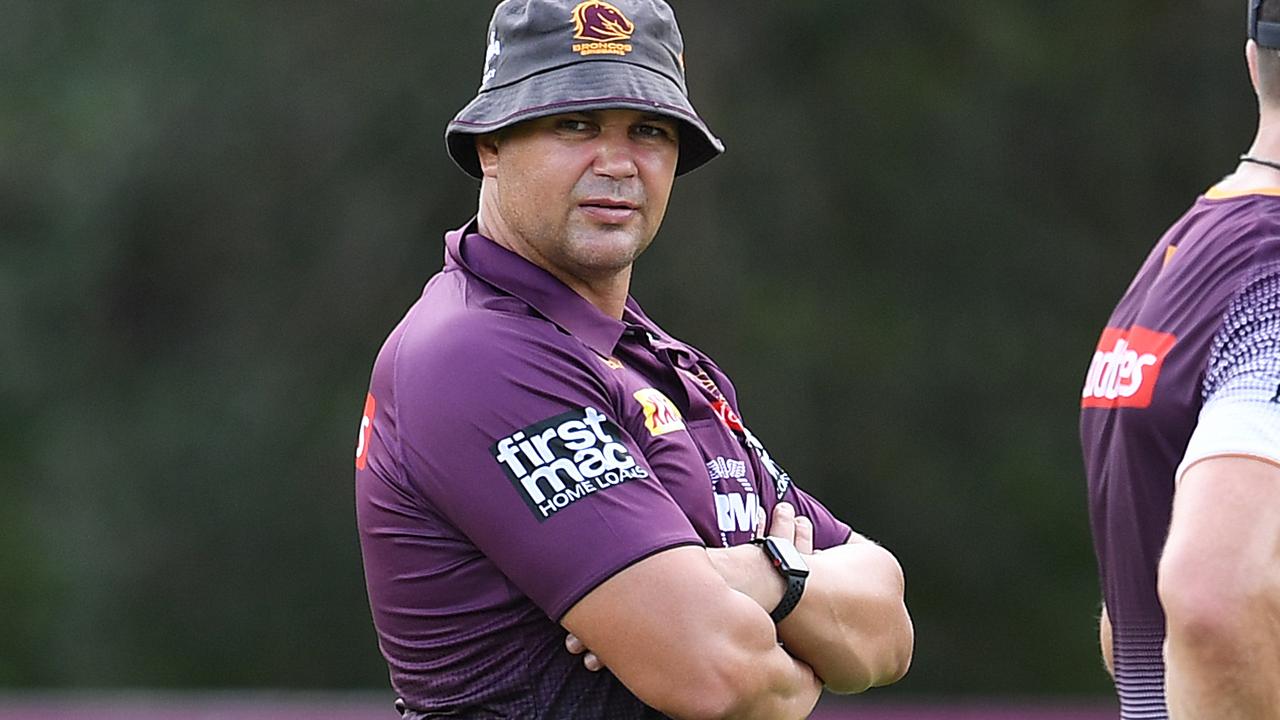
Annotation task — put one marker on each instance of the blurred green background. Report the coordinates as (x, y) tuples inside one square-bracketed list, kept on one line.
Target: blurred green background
[(212, 213)]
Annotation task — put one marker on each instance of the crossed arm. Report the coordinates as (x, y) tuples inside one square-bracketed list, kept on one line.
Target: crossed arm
[(688, 630), (851, 624)]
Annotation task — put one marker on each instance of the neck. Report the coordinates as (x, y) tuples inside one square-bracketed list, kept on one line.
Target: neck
[(1266, 145), (610, 298), (1266, 149)]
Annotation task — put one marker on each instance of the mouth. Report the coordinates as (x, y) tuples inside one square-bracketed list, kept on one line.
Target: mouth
[(611, 211)]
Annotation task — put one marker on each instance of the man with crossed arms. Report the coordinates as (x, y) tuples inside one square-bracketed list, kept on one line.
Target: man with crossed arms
[(548, 483)]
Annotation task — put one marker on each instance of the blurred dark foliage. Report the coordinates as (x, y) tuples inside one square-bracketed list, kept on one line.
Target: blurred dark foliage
[(212, 213)]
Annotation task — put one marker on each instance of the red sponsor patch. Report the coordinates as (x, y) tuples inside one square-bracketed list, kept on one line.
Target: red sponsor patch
[(727, 415), (366, 432), (1125, 368)]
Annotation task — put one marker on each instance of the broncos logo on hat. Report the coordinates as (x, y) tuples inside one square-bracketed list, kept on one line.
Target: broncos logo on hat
[(600, 21)]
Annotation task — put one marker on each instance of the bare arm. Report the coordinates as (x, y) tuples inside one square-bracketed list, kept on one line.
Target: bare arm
[(851, 624), (685, 643), (1219, 582)]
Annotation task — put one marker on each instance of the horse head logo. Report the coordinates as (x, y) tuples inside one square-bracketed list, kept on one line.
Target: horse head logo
[(599, 21)]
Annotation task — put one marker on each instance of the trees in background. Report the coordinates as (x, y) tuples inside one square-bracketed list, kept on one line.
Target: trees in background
[(210, 216)]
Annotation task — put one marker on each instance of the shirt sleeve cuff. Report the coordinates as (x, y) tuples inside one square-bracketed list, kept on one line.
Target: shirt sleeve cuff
[(1248, 428)]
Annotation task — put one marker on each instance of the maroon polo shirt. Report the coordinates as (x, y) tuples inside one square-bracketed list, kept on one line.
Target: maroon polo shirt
[(518, 448)]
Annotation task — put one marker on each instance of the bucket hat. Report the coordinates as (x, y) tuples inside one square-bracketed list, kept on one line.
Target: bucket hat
[(547, 57), (1266, 34)]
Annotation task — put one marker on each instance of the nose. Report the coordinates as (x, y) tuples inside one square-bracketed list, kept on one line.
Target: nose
[(614, 158)]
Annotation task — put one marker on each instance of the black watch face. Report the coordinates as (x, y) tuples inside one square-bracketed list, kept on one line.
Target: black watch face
[(792, 561)]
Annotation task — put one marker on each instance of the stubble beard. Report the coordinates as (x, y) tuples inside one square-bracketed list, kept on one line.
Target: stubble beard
[(576, 245), (602, 251)]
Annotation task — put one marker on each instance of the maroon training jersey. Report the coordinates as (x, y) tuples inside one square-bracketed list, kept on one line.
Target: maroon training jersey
[(518, 448), (1200, 323)]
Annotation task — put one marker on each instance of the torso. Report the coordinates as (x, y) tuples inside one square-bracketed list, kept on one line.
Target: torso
[(1139, 407), (471, 560)]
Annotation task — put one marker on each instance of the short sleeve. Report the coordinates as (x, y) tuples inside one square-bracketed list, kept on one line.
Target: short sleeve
[(514, 439), (1241, 392)]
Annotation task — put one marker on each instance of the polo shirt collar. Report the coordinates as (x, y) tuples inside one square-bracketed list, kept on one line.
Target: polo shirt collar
[(516, 276)]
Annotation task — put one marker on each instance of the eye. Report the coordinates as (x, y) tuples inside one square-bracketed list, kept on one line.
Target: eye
[(655, 131), (573, 125)]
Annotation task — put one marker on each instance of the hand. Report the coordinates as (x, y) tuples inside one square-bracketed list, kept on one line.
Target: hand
[(589, 659), (746, 568), (785, 524)]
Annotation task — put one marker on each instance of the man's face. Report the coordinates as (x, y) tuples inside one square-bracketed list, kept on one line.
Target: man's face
[(580, 194)]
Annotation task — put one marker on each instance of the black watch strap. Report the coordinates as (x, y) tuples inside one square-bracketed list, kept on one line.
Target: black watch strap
[(791, 598), (793, 569)]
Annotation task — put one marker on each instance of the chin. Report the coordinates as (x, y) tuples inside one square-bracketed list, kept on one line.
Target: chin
[(614, 250)]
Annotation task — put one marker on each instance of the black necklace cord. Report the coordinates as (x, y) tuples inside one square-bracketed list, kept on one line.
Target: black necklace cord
[(1259, 161)]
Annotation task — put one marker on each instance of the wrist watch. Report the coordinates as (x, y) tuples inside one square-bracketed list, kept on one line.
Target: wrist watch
[(791, 565)]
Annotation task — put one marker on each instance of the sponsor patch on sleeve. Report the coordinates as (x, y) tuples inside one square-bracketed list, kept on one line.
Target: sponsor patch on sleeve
[(366, 432), (1125, 368), (563, 459), (660, 414)]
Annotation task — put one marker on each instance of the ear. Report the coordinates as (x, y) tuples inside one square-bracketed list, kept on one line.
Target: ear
[(1251, 59), (487, 152)]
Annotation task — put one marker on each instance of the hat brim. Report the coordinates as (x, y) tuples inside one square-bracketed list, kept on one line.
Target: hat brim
[(576, 87)]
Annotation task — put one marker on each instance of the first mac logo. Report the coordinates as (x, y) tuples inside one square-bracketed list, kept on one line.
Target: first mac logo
[(556, 462)]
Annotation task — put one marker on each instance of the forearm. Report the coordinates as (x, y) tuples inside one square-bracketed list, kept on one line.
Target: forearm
[(851, 624), (737, 671), (792, 691), (1222, 678), (690, 646)]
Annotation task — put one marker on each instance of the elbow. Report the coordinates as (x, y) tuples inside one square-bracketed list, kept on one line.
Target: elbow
[(1209, 615)]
